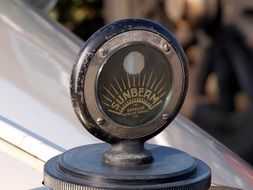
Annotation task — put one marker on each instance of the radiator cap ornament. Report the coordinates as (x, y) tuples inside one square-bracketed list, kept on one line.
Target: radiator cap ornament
[(128, 84)]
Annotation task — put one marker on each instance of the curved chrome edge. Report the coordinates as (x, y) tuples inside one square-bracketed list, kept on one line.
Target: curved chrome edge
[(221, 187), (44, 5), (26, 141)]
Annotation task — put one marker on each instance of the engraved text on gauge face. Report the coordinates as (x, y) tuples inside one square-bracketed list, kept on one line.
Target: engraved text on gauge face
[(134, 85)]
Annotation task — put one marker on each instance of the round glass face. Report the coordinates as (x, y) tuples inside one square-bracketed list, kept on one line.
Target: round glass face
[(134, 85)]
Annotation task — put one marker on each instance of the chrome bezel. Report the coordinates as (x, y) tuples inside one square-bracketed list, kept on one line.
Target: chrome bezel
[(96, 63)]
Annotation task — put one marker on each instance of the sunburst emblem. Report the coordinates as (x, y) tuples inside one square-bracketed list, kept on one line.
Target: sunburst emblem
[(134, 94)]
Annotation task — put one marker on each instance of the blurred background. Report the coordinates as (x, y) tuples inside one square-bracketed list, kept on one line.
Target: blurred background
[(217, 38)]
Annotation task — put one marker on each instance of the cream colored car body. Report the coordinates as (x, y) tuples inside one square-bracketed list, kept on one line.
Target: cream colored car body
[(37, 120)]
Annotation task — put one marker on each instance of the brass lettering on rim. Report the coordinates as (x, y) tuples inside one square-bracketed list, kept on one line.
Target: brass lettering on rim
[(132, 95)]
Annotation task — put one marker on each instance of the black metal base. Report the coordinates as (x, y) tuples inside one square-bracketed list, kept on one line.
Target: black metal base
[(82, 168)]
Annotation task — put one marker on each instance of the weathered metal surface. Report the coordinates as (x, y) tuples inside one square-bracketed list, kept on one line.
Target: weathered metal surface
[(172, 73), (37, 55), (81, 168)]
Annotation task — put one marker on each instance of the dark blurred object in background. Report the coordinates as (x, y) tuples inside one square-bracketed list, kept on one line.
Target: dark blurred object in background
[(224, 58), (83, 17), (217, 38), (229, 58)]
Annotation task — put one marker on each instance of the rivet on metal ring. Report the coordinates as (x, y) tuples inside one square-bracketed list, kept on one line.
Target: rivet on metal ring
[(103, 52), (164, 116), (166, 47), (100, 121)]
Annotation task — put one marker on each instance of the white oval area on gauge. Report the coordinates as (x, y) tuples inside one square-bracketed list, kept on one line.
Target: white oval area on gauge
[(134, 63)]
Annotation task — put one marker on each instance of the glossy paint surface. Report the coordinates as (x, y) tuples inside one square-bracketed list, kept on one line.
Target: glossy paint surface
[(36, 61), (37, 56), (19, 170), (227, 168)]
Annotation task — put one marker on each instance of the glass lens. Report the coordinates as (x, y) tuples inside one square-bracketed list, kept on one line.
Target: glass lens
[(134, 85)]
